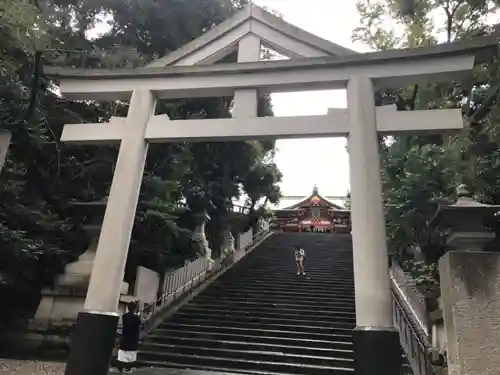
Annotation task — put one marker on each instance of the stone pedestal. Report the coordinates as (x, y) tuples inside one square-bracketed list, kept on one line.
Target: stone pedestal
[(469, 241), (470, 292), (61, 304)]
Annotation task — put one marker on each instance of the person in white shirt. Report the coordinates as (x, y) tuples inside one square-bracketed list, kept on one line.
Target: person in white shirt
[(300, 255)]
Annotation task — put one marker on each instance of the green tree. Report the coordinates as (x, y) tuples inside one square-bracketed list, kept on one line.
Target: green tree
[(347, 202), (39, 229), (261, 184), (418, 171)]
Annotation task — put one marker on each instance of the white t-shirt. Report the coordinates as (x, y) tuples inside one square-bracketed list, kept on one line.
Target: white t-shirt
[(300, 253)]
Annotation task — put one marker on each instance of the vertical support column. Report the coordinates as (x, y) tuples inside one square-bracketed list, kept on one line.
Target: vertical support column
[(376, 342), (95, 331), (245, 101)]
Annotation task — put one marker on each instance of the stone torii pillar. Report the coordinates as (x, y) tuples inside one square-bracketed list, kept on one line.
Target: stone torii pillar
[(95, 329), (376, 341)]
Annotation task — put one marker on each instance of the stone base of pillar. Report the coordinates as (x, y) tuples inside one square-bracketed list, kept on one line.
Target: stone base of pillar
[(376, 352), (92, 344)]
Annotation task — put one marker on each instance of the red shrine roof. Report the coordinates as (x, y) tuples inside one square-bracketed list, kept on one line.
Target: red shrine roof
[(314, 200)]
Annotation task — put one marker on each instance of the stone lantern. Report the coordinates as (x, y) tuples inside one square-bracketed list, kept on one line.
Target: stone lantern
[(466, 220), (198, 236), (77, 274), (470, 287), (199, 202), (228, 245), (60, 305)]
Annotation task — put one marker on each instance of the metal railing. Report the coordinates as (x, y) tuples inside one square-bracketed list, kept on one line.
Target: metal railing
[(413, 339), (182, 280), (413, 298)]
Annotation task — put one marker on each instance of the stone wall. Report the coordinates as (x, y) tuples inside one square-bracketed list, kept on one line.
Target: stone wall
[(146, 285)]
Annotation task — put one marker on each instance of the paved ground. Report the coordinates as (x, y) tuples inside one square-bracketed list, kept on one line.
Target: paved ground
[(17, 367)]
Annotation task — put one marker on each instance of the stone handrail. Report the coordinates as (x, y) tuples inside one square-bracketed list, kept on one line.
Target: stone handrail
[(184, 279)]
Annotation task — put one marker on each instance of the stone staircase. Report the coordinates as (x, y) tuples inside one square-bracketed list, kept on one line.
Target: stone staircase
[(261, 318)]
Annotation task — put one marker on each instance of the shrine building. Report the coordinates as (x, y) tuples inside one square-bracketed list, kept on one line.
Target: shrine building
[(312, 214)]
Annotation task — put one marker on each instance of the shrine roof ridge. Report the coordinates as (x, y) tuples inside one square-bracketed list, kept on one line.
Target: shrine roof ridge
[(477, 46)]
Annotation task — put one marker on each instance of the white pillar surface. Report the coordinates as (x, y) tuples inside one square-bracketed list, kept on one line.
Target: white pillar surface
[(107, 275), (371, 265), (245, 100)]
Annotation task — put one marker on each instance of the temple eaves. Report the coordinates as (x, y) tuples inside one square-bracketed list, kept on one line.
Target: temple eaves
[(305, 200)]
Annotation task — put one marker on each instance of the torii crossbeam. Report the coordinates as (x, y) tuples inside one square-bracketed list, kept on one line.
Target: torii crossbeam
[(160, 129)]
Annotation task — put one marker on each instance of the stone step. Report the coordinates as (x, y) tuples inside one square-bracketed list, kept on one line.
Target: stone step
[(290, 275), (233, 363), (278, 298), (304, 333), (303, 303), (171, 369), (294, 280), (315, 264), (251, 318), (270, 314), (185, 334), (262, 311), (285, 325), (258, 356), (283, 262), (281, 293), (297, 290), (338, 349)]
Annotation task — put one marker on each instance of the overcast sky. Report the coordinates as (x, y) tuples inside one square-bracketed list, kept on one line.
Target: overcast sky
[(324, 161)]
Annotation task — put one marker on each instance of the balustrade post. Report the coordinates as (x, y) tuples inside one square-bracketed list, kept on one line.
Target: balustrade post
[(166, 290)]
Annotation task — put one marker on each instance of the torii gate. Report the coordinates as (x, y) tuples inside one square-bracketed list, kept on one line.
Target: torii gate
[(322, 65)]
